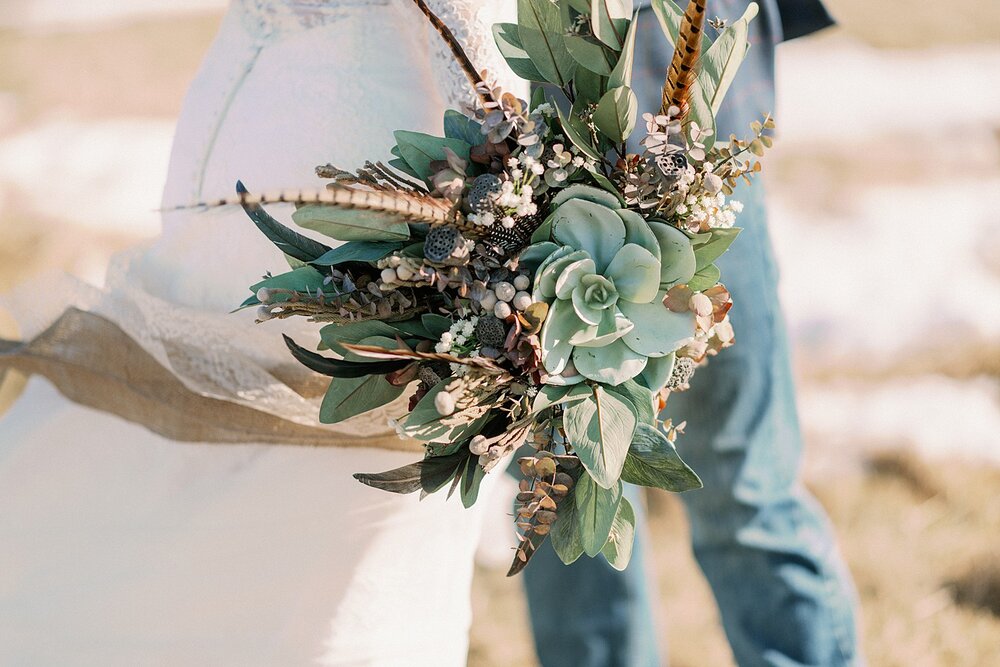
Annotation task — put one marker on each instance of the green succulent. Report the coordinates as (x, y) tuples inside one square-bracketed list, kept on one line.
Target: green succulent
[(606, 272)]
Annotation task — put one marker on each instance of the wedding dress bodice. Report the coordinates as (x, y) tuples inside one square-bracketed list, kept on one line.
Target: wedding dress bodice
[(286, 86)]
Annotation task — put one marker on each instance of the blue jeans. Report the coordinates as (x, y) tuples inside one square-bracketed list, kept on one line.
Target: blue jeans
[(761, 540)]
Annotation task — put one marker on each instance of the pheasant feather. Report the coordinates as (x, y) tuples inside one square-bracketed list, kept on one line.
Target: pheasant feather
[(683, 66)]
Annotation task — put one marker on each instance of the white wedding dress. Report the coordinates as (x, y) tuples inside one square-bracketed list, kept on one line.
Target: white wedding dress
[(119, 546)]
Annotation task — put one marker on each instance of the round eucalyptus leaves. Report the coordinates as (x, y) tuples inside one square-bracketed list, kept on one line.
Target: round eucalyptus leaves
[(604, 278)]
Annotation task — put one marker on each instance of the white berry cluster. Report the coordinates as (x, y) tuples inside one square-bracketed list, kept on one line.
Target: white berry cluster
[(503, 298)]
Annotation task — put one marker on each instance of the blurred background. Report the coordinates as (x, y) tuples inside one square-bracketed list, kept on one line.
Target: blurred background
[(885, 197)]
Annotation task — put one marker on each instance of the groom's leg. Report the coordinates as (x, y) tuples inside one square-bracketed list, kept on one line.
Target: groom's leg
[(763, 543), (588, 614)]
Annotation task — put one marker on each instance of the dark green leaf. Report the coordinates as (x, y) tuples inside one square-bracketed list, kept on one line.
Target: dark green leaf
[(472, 478), (352, 333), (419, 149), (430, 474), (348, 397), (579, 139), (459, 126), (596, 508), (341, 369), (358, 251), (435, 324), (653, 461), (287, 240), (621, 75)]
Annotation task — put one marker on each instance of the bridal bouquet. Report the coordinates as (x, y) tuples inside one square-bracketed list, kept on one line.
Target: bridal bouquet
[(529, 282)]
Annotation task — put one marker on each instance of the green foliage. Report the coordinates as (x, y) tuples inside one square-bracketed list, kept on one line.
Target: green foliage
[(340, 368), (462, 128), (358, 251), (616, 113), (419, 150), (596, 508), (347, 397), (600, 429), (509, 43), (541, 32), (288, 241), (424, 422), (352, 224), (705, 278), (428, 475), (335, 335), (718, 242), (618, 549), (302, 279), (566, 533), (609, 21), (653, 461), (472, 479)]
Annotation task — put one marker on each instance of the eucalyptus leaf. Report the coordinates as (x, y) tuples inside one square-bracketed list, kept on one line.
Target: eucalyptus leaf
[(302, 279), (705, 278), (424, 422), (653, 461), (419, 149), (721, 61), (459, 126), (565, 533), (352, 333), (621, 75), (596, 508), (590, 54), (577, 138), (600, 429), (540, 29), (358, 251), (609, 20), (616, 113), (509, 43), (287, 240), (618, 549), (640, 397), (348, 397), (718, 243), (657, 372), (352, 224)]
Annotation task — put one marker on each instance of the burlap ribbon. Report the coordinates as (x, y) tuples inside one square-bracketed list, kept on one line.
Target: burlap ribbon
[(93, 362)]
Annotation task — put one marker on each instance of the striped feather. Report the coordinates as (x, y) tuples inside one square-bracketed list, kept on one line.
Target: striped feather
[(683, 66)]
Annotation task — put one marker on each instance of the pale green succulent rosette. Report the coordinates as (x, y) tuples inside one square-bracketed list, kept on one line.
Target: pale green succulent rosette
[(604, 279)]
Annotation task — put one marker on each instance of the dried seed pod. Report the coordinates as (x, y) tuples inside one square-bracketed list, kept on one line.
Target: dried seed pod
[(547, 503), (564, 480), (672, 164), (525, 496), (542, 529), (681, 374), (545, 516), (479, 194), (491, 331), (441, 242), (545, 467), (433, 372), (527, 468)]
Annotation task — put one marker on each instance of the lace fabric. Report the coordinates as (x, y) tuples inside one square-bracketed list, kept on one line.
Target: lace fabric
[(288, 85)]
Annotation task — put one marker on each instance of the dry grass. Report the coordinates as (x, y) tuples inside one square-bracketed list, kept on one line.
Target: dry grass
[(921, 540)]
